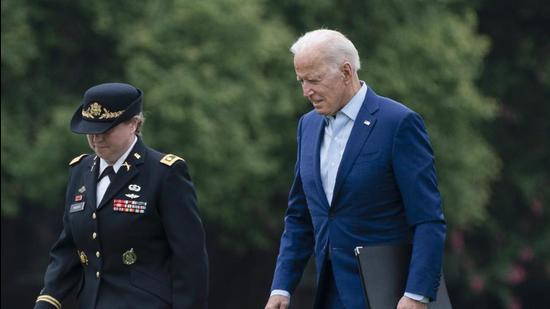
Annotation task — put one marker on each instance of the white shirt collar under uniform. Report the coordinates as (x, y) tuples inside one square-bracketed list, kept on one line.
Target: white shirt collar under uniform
[(103, 164)]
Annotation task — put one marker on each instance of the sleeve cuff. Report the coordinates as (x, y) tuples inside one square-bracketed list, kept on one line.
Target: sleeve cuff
[(420, 298), (50, 300), (280, 292)]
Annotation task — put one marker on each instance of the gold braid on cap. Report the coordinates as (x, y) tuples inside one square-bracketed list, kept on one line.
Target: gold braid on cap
[(96, 111)]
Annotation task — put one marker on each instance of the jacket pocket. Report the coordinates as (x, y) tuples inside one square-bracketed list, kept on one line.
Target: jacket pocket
[(368, 156), (151, 285)]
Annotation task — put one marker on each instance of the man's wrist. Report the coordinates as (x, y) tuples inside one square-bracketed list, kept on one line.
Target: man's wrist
[(420, 298), (280, 292)]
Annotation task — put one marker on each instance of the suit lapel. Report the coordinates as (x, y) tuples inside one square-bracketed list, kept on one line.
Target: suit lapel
[(319, 129), (90, 182), (363, 126), (128, 170)]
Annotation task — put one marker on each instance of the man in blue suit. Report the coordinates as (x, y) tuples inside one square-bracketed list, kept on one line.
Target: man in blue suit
[(364, 176)]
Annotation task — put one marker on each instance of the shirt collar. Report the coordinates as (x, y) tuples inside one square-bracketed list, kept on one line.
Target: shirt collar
[(103, 164), (351, 109)]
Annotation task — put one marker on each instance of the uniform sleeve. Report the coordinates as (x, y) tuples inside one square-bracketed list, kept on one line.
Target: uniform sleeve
[(413, 164), (64, 270), (297, 239), (185, 234)]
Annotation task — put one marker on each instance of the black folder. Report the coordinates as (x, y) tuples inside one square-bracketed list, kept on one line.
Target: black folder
[(384, 271)]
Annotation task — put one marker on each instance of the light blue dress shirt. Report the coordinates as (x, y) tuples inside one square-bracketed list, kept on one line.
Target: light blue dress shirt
[(337, 132)]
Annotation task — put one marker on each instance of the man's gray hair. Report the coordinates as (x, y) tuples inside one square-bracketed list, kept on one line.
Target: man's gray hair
[(336, 47)]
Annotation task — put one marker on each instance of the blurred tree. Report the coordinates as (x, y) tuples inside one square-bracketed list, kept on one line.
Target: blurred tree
[(507, 258), (217, 77), (219, 91), (428, 56), (216, 81), (49, 53)]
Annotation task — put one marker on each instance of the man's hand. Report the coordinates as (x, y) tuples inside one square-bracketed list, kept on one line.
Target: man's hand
[(277, 302), (409, 303)]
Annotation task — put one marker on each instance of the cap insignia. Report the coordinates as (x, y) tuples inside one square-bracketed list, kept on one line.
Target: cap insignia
[(96, 111)]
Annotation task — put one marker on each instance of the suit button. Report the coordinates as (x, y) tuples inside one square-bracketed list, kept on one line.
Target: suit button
[(94, 235), (97, 275), (94, 216), (97, 254)]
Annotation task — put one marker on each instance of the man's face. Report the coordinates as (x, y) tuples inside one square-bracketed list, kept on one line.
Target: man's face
[(113, 143), (322, 84)]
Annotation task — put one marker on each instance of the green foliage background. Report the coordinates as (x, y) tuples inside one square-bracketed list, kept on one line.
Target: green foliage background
[(220, 91)]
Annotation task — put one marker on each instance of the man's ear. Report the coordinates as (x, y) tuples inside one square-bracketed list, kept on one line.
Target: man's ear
[(347, 72)]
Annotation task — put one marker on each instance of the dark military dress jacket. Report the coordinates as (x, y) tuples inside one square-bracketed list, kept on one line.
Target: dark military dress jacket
[(143, 246)]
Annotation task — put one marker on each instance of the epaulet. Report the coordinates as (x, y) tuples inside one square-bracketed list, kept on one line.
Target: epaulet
[(170, 159), (77, 159)]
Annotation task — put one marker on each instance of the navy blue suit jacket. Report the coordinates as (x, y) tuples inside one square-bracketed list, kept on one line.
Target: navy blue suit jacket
[(385, 193), (167, 237)]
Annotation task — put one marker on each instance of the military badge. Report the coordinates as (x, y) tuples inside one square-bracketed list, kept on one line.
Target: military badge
[(134, 187), (76, 207), (129, 257), (77, 159), (78, 198), (82, 189), (129, 206), (125, 164), (83, 258), (132, 196), (170, 159), (97, 111)]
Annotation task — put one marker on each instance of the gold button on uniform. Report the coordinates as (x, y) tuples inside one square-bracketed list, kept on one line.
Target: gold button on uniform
[(94, 235), (97, 274), (94, 216), (97, 254)]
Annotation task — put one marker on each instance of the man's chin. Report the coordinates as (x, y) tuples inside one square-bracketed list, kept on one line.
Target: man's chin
[(321, 111)]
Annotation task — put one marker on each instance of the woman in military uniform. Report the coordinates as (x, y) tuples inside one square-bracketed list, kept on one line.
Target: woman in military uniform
[(132, 236)]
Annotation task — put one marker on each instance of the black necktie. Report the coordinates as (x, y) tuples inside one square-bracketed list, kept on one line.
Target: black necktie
[(109, 172)]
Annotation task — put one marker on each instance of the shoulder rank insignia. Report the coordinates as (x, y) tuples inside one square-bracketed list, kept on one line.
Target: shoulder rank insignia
[(170, 159), (77, 159)]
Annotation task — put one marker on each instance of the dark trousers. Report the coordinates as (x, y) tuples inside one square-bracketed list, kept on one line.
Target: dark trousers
[(328, 297)]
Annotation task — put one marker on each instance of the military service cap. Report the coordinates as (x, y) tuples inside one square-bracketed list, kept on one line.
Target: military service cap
[(106, 105)]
